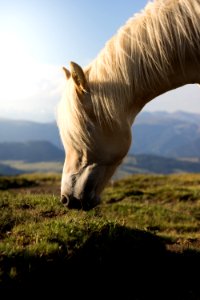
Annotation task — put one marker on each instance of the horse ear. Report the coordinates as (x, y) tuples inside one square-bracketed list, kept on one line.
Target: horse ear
[(79, 78), (67, 73)]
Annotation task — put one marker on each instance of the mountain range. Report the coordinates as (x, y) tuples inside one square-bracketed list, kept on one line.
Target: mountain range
[(166, 134), (158, 133), (25, 131), (32, 151), (161, 143)]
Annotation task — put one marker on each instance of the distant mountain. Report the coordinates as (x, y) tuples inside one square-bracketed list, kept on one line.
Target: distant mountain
[(156, 133), (33, 151), (162, 143), (164, 116), (7, 170), (40, 151), (157, 164), (165, 134), (23, 131)]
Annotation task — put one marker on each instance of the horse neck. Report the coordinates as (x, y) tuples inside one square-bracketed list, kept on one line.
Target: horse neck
[(177, 76), (146, 65)]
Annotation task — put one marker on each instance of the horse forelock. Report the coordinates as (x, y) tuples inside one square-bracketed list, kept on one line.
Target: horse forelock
[(71, 119)]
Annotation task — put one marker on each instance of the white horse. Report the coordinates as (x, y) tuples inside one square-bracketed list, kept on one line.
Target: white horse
[(156, 51)]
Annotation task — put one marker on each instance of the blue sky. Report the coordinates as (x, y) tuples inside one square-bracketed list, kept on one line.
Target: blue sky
[(58, 30), (38, 37)]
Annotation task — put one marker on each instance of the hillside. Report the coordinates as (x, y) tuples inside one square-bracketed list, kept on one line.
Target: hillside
[(142, 242), (41, 156), (144, 164), (7, 170), (31, 151)]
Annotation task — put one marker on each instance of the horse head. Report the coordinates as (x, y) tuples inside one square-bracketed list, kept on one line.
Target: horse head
[(151, 54), (93, 149)]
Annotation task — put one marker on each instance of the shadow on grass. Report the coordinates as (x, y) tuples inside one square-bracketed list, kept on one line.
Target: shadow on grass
[(121, 263), (16, 182)]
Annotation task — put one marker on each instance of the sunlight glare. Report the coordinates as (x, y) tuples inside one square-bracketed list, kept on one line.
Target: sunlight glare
[(17, 68)]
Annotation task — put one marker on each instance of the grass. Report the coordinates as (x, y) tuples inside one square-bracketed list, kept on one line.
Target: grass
[(145, 226)]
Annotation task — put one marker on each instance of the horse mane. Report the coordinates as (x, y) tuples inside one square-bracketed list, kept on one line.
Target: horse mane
[(137, 58)]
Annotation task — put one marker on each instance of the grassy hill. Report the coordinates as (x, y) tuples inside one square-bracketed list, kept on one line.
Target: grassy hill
[(141, 242)]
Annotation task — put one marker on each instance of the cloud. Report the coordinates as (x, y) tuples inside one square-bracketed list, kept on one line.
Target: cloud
[(39, 90)]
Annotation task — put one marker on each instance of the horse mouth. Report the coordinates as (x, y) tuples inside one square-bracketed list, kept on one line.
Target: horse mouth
[(79, 204)]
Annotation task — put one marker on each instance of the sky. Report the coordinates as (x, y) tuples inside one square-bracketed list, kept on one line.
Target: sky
[(38, 37)]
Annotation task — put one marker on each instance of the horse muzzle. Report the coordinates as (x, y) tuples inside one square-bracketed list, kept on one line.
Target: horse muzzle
[(79, 204)]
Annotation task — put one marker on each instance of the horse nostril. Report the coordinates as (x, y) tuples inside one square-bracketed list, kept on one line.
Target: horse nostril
[(64, 199)]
